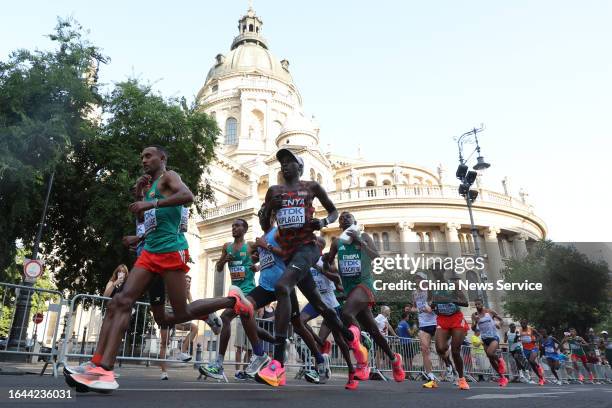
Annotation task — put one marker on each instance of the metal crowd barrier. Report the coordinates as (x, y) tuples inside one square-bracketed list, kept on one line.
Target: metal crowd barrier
[(142, 341), (33, 340)]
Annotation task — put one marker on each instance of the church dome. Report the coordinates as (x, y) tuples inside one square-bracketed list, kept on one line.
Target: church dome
[(249, 53)]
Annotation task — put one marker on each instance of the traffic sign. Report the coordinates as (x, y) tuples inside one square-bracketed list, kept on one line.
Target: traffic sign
[(32, 269), (37, 318)]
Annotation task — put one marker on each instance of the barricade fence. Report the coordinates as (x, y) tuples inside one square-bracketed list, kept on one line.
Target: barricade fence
[(69, 334)]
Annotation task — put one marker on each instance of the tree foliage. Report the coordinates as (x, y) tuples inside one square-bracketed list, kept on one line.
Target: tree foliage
[(575, 290), (95, 159)]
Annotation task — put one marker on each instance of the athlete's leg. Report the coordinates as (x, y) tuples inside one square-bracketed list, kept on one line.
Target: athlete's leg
[(226, 330), (324, 332), (163, 338), (193, 332), (119, 313), (491, 351), (554, 366), (283, 288), (425, 342), (366, 319), (457, 337)]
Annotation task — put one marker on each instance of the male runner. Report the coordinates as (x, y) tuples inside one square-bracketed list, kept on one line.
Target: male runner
[(355, 267), (551, 352), (166, 253), (484, 319), (513, 338), (292, 202), (451, 323), (272, 267), (529, 338), (577, 353), (427, 327)]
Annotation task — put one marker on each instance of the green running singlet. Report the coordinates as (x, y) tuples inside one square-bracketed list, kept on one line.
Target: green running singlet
[(163, 225), (241, 268)]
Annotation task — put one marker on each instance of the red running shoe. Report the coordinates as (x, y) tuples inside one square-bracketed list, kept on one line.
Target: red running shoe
[(326, 349), (242, 306), (361, 353), (362, 373), (352, 383), (502, 366), (398, 368)]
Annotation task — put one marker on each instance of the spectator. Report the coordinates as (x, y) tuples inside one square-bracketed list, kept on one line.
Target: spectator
[(405, 340), (382, 321), (478, 352), (605, 345), (115, 283)]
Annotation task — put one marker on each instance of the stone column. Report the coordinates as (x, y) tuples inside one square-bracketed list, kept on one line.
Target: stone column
[(405, 233), (520, 247), (495, 265), (451, 232)]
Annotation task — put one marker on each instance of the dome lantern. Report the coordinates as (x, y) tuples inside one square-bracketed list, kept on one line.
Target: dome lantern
[(249, 30)]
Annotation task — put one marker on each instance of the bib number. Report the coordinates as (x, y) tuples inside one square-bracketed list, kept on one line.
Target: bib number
[(549, 349), (140, 230), (237, 272), (526, 339), (184, 219), (266, 259), (150, 221), (350, 267), (446, 309), (291, 217)]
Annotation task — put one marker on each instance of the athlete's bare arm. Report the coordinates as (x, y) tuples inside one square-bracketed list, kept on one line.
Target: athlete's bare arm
[(329, 257), (321, 194), (173, 188), (331, 274), (224, 258), (366, 242)]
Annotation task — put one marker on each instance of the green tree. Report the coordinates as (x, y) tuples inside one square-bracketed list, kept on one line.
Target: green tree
[(48, 107), (575, 290), (44, 99)]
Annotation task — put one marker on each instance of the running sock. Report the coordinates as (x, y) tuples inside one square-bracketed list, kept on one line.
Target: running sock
[(258, 349), (96, 359), (319, 358), (220, 359), (279, 348)]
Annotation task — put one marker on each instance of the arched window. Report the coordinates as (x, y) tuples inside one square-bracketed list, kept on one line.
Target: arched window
[(376, 240), (369, 183), (387, 185), (472, 278), (430, 242), (371, 192), (421, 241), (251, 28), (313, 175), (385, 242), (231, 131), (338, 185)]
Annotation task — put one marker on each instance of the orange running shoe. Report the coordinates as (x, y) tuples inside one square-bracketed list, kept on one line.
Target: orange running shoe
[(361, 353), (362, 373), (96, 379), (462, 383), (242, 306)]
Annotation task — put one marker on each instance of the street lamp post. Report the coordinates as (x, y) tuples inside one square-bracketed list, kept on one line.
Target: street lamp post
[(467, 178)]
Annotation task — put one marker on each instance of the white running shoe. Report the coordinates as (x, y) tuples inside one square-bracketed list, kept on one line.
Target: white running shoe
[(184, 357), (163, 376)]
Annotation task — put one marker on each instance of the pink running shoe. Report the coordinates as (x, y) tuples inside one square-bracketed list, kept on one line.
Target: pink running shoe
[(503, 381), (242, 306), (96, 379), (362, 373), (361, 353), (398, 368), (273, 374)]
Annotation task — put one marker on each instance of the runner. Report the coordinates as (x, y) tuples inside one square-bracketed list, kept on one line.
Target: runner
[(451, 323), (576, 343), (272, 268), (292, 202), (529, 338), (484, 319), (605, 345), (355, 256), (165, 252), (427, 327), (513, 338), (551, 352)]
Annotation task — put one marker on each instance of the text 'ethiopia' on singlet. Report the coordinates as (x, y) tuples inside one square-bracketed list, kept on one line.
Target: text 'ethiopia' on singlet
[(293, 219), (241, 268), (355, 267), (164, 226)]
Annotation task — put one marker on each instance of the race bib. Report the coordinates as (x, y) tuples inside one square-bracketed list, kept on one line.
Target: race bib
[(320, 280), (446, 309), (350, 267), (184, 219), (575, 346), (549, 349), (237, 272), (266, 259), (150, 221), (140, 229), (291, 217), (526, 339)]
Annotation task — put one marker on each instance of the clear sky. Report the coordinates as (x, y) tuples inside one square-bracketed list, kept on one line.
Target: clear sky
[(413, 74)]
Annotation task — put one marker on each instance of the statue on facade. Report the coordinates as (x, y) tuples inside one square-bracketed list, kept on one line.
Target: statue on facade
[(397, 174), (354, 178)]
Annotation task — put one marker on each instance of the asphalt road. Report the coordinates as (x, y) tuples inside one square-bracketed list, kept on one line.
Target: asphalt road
[(142, 388)]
